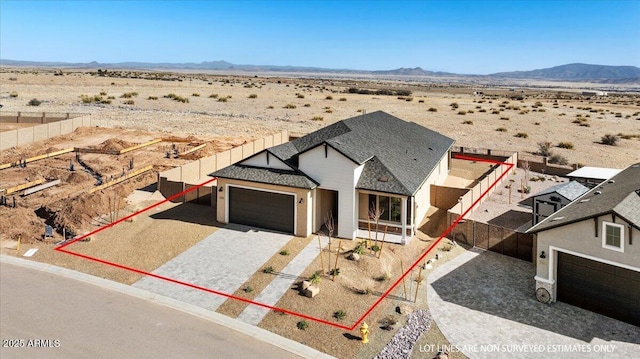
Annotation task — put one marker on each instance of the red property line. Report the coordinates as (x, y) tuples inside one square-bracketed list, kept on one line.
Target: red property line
[(282, 310)]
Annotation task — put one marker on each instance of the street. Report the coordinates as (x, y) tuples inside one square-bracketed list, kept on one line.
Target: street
[(43, 315)]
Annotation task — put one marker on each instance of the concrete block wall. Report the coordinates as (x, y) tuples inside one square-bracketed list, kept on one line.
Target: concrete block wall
[(196, 171)]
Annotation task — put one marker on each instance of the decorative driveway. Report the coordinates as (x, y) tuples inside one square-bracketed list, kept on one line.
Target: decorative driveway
[(484, 303), (223, 262)]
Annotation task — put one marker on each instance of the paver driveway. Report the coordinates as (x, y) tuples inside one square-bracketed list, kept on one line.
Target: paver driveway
[(484, 304), (222, 261)]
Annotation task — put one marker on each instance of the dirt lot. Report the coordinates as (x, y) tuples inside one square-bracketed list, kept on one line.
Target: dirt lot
[(228, 105), (70, 205)]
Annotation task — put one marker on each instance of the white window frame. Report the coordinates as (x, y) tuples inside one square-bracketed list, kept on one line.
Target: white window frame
[(604, 236)]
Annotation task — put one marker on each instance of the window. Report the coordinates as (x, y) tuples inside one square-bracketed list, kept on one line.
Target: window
[(613, 236), (391, 207)]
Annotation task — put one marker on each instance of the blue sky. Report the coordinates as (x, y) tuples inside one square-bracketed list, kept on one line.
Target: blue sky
[(478, 37)]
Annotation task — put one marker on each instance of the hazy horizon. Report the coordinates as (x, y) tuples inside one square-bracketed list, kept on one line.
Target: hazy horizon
[(464, 37)]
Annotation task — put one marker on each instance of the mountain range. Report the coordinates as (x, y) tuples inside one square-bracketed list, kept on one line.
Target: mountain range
[(576, 72)]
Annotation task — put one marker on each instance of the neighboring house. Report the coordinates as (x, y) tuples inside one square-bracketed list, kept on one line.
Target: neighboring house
[(592, 176), (588, 253), (549, 201), (343, 169)]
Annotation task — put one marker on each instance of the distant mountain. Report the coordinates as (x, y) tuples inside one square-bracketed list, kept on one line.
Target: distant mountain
[(570, 72), (578, 72)]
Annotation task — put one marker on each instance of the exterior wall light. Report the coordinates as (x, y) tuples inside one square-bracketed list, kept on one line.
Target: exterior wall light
[(542, 255)]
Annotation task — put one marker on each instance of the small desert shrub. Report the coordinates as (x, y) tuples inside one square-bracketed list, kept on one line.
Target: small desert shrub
[(558, 159), (223, 99), (102, 93), (544, 148), (329, 97), (375, 248), (268, 270), (270, 107), (300, 95), (521, 135), (567, 145), (195, 94), (215, 95), (334, 271), (432, 109), (359, 248), (290, 106), (501, 129), (307, 105), (420, 101), (152, 98), (247, 289), (409, 99), (129, 95), (34, 102), (342, 99), (302, 325), (129, 102), (609, 140), (482, 110), (253, 95), (467, 122), (388, 322), (495, 112), (339, 314), (454, 105), (328, 111), (13, 79), (315, 278), (470, 111), (284, 252), (112, 98), (537, 123), (504, 118), (13, 94), (462, 113), (317, 118), (618, 114)]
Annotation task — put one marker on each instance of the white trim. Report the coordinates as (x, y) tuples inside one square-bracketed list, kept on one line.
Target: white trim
[(403, 216), (295, 202), (553, 267), (544, 280), (604, 236)]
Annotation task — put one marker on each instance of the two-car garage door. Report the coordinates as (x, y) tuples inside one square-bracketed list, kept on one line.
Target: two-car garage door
[(261, 209), (599, 287)]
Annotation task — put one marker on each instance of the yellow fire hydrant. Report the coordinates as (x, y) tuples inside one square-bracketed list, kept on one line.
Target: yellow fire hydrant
[(364, 331)]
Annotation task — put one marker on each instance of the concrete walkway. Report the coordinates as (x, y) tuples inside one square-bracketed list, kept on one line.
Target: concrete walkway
[(282, 283), (222, 262), (484, 303)]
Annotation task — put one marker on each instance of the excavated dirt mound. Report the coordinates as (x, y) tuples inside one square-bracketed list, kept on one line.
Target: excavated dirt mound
[(114, 145)]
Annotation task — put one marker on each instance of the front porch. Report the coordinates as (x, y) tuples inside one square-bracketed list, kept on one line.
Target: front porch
[(395, 216)]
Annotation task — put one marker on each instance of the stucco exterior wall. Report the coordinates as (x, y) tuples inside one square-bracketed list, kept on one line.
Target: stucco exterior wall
[(260, 160), (303, 210), (335, 172), (422, 200), (580, 238)]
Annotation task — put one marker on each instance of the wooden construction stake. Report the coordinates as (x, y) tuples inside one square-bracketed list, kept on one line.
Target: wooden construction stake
[(321, 258), (418, 280), (382, 244), (403, 280), (335, 267)]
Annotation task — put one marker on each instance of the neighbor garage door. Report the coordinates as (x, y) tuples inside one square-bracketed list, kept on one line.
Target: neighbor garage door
[(261, 209), (599, 287)]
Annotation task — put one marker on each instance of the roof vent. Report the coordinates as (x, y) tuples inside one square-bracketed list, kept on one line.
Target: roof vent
[(597, 192), (430, 149), (584, 200), (383, 179), (558, 218), (611, 181)]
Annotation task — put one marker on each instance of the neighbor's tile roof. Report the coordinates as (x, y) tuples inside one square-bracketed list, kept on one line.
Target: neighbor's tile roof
[(569, 190), (620, 195), (267, 175)]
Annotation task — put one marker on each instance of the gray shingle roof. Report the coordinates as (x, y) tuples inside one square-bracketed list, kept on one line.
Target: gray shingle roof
[(620, 195), (569, 190), (404, 151), (266, 175)]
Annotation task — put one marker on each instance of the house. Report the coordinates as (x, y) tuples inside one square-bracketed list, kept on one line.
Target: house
[(343, 169), (592, 176), (549, 201), (588, 253)]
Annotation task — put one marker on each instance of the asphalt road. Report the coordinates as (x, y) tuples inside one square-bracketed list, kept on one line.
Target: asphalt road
[(48, 316)]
